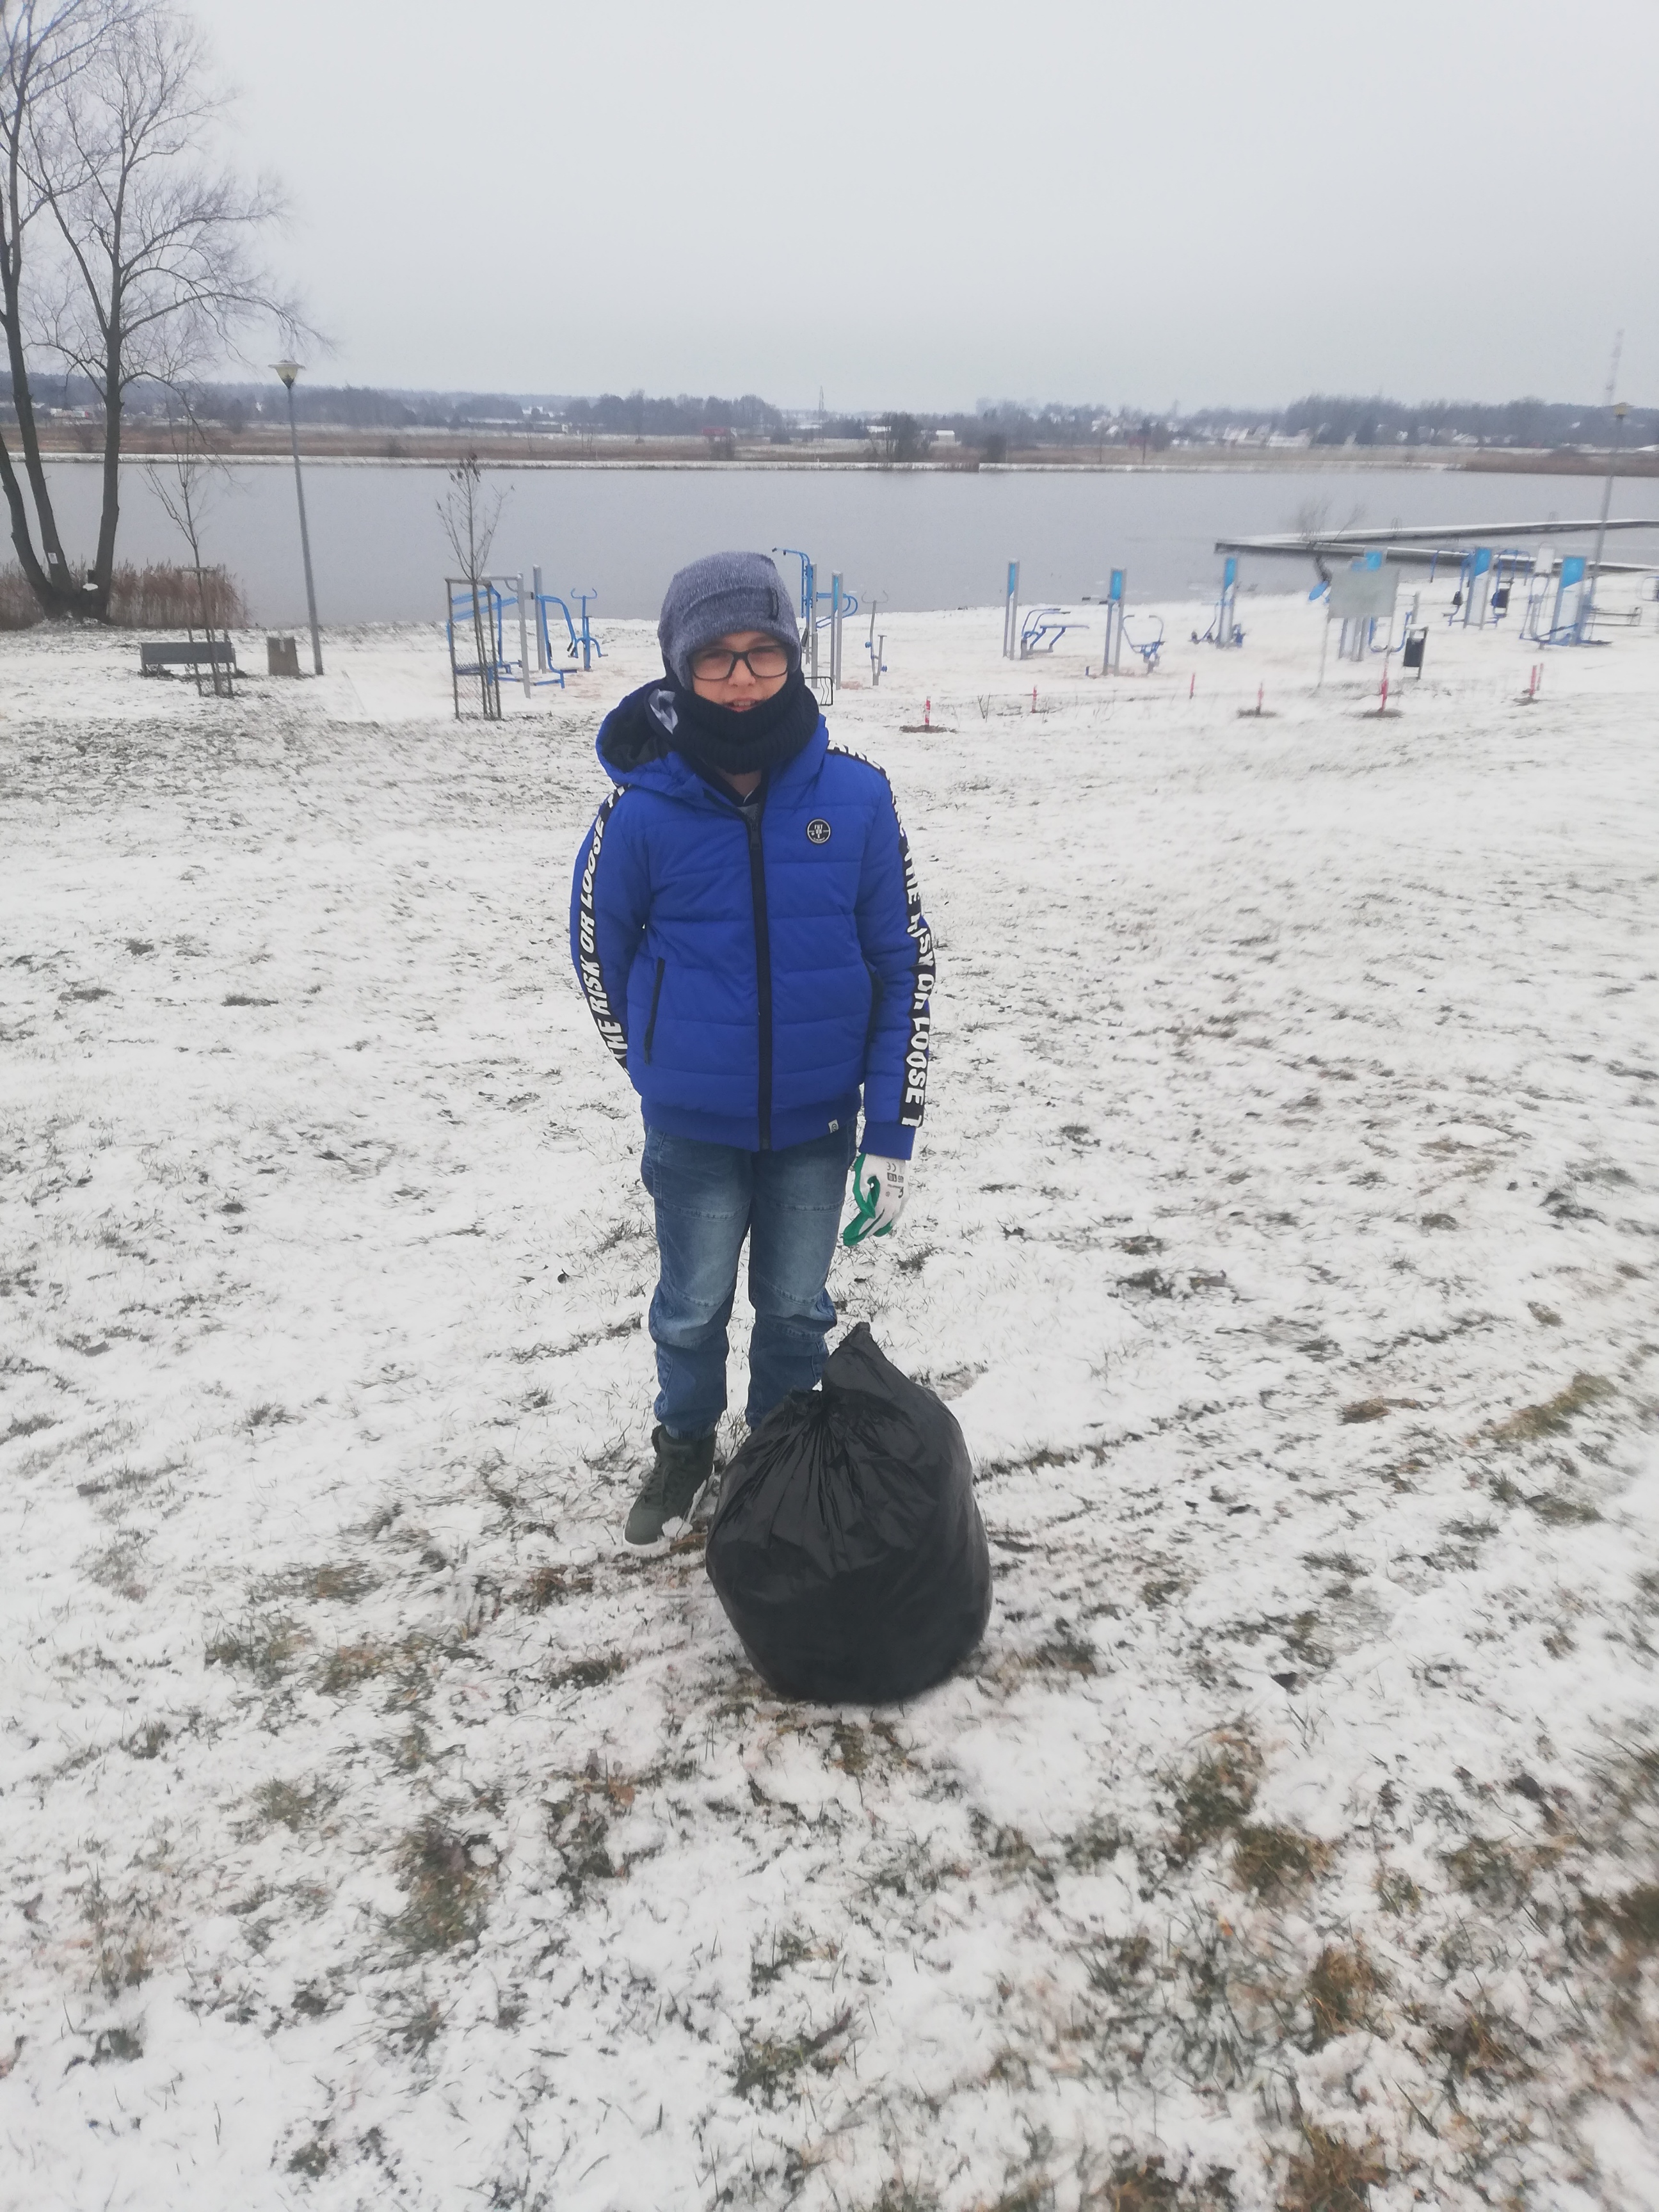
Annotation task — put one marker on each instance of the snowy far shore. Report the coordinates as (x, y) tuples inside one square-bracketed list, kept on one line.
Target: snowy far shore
[(1284, 1236)]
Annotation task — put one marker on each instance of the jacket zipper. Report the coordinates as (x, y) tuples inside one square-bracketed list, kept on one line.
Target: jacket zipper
[(656, 993), (763, 974)]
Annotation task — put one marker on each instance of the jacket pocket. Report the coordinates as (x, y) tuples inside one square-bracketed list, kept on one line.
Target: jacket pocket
[(651, 1025)]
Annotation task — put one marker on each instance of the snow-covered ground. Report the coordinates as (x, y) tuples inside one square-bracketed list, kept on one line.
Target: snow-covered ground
[(1286, 1237)]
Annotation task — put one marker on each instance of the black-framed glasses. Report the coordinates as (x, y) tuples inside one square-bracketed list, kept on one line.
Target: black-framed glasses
[(718, 664)]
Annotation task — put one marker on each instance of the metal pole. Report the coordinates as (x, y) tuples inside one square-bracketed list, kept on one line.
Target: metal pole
[(541, 622), (1587, 621), (524, 640), (305, 535)]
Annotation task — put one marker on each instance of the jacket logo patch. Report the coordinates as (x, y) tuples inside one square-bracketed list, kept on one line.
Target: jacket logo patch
[(817, 832)]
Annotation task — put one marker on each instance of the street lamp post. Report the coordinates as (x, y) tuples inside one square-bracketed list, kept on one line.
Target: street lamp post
[(1594, 592), (287, 370)]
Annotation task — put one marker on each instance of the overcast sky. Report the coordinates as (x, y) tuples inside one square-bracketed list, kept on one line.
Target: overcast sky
[(919, 204)]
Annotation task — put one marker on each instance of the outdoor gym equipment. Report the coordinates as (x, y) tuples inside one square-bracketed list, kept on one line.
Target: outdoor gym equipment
[(1360, 597), (582, 641), (808, 577), (1010, 614), (1111, 651), (839, 601), (480, 603), (876, 649), (592, 650), (1118, 632), (1224, 628), (543, 600), (1571, 616), (485, 616), (1148, 645), (1043, 630)]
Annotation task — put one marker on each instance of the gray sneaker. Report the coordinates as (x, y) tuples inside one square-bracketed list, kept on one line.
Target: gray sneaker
[(671, 1493)]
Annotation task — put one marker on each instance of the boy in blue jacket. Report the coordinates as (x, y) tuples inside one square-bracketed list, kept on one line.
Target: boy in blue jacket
[(747, 927)]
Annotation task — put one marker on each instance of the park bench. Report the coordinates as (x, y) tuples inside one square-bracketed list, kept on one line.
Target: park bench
[(153, 660)]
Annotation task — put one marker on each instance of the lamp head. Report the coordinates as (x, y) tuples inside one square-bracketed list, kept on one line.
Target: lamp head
[(287, 370)]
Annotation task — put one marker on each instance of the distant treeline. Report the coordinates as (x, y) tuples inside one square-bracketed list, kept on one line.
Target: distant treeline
[(1333, 421), (1324, 419), (991, 427), (364, 407)]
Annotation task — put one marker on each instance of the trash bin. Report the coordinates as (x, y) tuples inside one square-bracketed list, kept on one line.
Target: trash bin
[(1415, 640), (281, 657)]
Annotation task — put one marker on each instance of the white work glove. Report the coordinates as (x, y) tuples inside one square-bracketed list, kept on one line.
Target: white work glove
[(878, 1193)]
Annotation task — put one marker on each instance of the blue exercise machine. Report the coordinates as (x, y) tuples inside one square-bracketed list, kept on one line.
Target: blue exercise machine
[(481, 610), (840, 602), (581, 642), (1149, 645), (1571, 607), (1224, 628), (1042, 628), (1111, 651)]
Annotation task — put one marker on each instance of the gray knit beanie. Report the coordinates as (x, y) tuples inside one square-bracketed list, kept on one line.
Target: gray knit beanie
[(718, 596)]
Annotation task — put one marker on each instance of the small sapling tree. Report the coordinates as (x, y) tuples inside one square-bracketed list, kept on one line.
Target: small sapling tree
[(470, 513), (186, 484)]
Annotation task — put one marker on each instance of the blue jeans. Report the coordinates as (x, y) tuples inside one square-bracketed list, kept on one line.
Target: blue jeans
[(708, 1198)]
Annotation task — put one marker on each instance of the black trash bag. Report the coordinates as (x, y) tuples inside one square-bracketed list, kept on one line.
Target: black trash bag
[(847, 1549)]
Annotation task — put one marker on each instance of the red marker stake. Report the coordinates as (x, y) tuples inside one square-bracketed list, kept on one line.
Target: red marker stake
[(1034, 698), (1260, 688)]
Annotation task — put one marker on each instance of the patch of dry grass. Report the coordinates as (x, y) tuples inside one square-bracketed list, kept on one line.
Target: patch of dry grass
[(1276, 1863), (1214, 1799), (122, 1944), (549, 1586), (286, 1805), (1329, 2175), (264, 1646), (446, 1889), (1341, 1992), (1530, 1423), (768, 2069), (1479, 2042)]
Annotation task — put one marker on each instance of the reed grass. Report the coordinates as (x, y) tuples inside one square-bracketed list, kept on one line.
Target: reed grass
[(161, 595)]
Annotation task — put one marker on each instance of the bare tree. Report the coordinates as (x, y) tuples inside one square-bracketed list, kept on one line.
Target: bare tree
[(140, 258), (469, 515), (43, 49), (1312, 523)]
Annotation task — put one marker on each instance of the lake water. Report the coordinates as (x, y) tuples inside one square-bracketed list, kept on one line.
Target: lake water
[(911, 541)]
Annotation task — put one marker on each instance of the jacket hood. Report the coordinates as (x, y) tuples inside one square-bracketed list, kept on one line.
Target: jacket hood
[(635, 745)]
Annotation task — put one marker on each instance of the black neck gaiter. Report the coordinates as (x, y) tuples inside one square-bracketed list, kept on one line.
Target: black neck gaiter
[(717, 740)]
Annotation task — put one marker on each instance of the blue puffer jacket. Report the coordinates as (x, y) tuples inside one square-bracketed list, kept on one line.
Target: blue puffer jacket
[(751, 975)]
